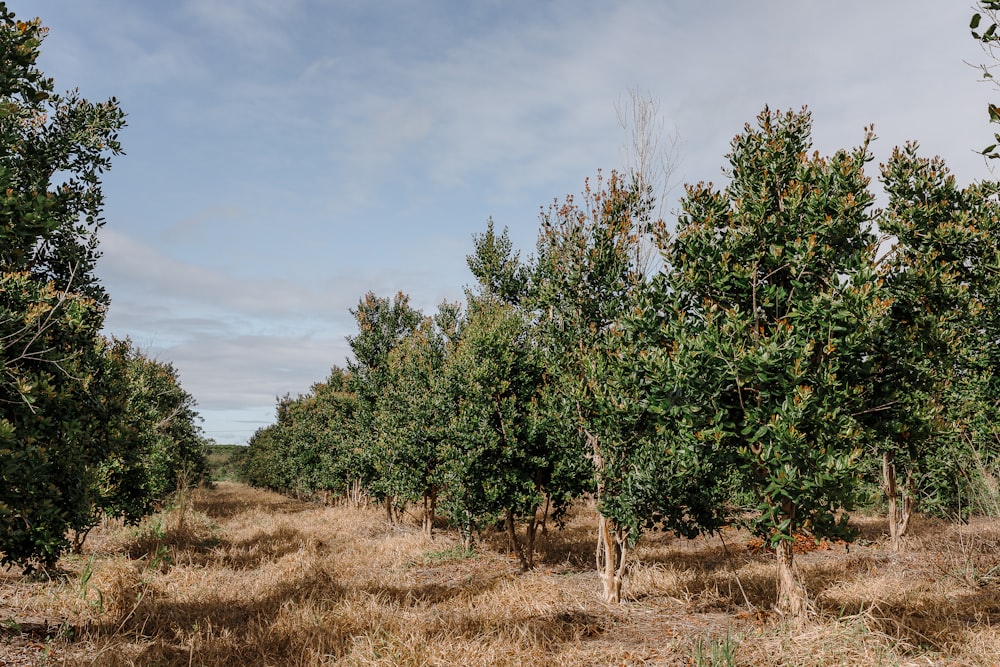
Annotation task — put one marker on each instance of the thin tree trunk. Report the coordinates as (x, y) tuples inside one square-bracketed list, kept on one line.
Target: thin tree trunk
[(908, 506), (792, 599), (612, 539), (900, 501), (612, 557), (79, 537), (354, 495), (515, 544), (430, 503), (529, 539), (467, 533), (545, 516)]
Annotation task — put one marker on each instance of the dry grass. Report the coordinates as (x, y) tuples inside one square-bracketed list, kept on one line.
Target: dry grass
[(243, 577)]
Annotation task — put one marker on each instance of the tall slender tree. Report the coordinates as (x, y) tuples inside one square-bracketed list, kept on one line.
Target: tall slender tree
[(496, 462), (585, 278)]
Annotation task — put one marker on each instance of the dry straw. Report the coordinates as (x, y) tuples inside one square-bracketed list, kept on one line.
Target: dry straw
[(241, 576)]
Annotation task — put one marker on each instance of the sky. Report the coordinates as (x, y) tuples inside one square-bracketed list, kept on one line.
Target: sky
[(284, 157)]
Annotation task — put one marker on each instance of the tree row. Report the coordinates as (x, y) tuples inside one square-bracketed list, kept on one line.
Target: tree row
[(787, 352)]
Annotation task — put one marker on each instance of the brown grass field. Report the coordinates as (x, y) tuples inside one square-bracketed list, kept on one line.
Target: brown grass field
[(235, 576)]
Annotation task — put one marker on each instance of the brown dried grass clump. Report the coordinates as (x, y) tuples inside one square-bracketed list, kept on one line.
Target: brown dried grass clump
[(242, 576)]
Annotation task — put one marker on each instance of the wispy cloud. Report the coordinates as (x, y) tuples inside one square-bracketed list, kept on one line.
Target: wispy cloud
[(255, 30), (128, 261)]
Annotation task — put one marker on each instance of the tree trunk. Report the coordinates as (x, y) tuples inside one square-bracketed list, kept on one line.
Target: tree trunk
[(529, 538), (545, 516), (466, 531), (900, 501), (792, 600), (612, 539), (430, 504), (354, 494), (79, 537), (514, 543), (612, 555)]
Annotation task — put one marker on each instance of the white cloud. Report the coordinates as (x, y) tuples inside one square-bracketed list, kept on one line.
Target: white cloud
[(131, 266)]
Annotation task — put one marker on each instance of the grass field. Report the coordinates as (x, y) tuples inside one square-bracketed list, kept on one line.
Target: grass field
[(236, 576)]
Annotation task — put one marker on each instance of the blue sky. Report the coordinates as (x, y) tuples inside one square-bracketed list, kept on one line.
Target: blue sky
[(283, 158)]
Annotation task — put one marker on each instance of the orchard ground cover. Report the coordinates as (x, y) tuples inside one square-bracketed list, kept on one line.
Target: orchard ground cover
[(234, 575)]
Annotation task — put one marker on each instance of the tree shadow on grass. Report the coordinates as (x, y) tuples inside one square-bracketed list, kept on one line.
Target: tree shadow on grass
[(206, 549), (158, 615), (433, 592), (248, 553), (227, 501), (259, 632)]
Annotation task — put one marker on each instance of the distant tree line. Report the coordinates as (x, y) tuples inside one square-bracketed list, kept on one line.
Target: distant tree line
[(89, 427)]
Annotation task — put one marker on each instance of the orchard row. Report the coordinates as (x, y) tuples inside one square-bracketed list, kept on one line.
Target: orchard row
[(787, 352)]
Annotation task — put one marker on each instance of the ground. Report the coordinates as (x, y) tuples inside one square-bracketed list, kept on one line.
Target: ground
[(237, 576)]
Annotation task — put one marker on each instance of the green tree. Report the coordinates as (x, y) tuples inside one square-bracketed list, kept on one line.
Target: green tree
[(302, 429), (154, 445), (266, 460), (919, 345), (287, 456), (665, 463), (773, 272), (175, 450), (584, 279), (973, 398), (53, 150), (497, 266), (382, 324), (413, 416), (311, 448), (49, 422), (334, 421), (495, 457)]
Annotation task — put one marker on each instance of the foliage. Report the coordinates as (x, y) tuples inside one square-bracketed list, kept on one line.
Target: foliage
[(49, 423), (667, 467), (413, 415), (155, 445), (986, 34), (588, 272), (495, 458), (264, 463), (778, 353), (382, 324), (224, 461), (920, 346), (53, 150), (312, 446), (771, 277), (497, 267)]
